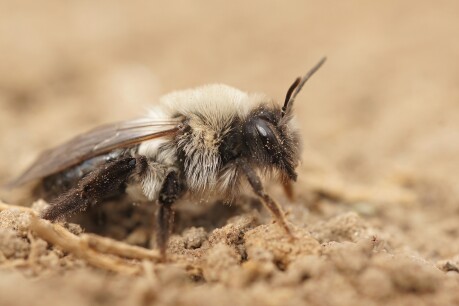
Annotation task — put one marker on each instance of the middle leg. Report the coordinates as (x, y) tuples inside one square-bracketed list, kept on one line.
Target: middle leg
[(170, 191)]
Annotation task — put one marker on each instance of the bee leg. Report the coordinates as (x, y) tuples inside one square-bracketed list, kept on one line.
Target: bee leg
[(104, 181), (288, 190), (170, 191), (269, 202)]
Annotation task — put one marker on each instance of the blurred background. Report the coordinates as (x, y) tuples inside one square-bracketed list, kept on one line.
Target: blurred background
[(387, 95), (385, 105)]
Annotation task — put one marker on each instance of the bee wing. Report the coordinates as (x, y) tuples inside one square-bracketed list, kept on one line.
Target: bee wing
[(97, 142)]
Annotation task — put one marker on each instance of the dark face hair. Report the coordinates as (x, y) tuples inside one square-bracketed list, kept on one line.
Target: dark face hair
[(270, 143), (265, 141)]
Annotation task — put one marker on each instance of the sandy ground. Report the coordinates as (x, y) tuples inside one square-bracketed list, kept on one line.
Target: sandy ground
[(377, 200)]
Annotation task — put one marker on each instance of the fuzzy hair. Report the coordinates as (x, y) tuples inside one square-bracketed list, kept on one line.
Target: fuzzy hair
[(209, 112)]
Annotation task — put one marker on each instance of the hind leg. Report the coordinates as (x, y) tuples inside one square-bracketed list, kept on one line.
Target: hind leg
[(102, 182)]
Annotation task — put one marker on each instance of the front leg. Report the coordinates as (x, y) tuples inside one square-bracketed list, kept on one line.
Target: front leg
[(170, 191), (269, 202)]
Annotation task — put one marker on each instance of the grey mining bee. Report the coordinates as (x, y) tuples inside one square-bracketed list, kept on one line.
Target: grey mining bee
[(206, 142)]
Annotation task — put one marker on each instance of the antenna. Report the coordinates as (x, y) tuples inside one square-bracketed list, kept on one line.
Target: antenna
[(297, 85)]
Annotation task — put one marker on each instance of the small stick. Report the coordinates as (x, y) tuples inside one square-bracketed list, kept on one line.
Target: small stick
[(59, 236), (110, 246), (57, 232)]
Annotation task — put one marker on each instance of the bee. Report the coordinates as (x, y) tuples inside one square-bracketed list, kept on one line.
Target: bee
[(207, 142)]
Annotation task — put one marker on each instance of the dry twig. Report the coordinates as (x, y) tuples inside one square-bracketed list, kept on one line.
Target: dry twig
[(62, 238), (100, 252)]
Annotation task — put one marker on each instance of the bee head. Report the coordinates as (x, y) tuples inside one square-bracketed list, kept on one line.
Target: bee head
[(269, 137), (266, 137)]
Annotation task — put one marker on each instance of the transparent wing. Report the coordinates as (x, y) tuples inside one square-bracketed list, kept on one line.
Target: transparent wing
[(97, 142)]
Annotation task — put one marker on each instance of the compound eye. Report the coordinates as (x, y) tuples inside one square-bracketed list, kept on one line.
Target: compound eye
[(261, 128), (268, 136)]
